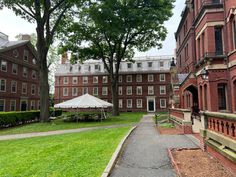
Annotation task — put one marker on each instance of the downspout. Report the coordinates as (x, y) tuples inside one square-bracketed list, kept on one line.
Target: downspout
[(227, 59)]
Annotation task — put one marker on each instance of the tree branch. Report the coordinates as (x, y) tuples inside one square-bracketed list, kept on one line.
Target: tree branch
[(56, 6), (26, 11)]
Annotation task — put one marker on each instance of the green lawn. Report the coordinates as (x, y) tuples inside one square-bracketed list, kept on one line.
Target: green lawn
[(124, 118), (83, 154)]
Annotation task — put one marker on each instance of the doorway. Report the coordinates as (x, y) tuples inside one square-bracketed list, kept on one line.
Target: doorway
[(23, 106), (151, 105)]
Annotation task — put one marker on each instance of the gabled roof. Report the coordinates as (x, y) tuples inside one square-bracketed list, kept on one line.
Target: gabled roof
[(182, 77)]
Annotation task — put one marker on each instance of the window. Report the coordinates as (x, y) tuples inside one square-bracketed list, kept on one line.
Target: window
[(222, 96), (162, 90), (162, 77), (104, 90), (129, 103), (139, 78), (85, 79), (162, 103), (129, 90), (33, 74), (2, 105), (129, 65), (32, 105), (150, 78), (120, 103), (95, 90), (150, 90), (150, 64), (95, 79), (139, 103), (65, 91), (161, 64), (129, 78), (139, 65), (120, 79), (120, 90), (74, 80), (218, 41), (2, 85), (14, 68), (104, 79), (74, 91), (97, 67), (25, 72), (12, 105), (33, 89), (13, 86), (139, 90), (26, 55), (65, 80), (24, 88), (4, 65), (84, 90), (234, 33)]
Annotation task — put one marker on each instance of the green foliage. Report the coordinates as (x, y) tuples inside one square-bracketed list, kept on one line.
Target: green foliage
[(10, 119), (167, 125), (84, 154)]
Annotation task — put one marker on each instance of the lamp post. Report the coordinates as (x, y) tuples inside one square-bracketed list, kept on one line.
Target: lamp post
[(204, 74)]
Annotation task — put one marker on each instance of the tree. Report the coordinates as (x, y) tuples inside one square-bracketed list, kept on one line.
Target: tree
[(110, 30), (48, 15)]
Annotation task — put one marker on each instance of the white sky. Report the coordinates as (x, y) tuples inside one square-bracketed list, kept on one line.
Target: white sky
[(12, 25)]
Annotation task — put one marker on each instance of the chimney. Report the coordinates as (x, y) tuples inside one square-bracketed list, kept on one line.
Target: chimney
[(64, 58), (25, 37)]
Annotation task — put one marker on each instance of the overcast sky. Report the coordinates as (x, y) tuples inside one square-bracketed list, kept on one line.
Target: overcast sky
[(13, 25)]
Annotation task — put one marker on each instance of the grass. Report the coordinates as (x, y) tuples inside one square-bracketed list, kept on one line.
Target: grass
[(84, 154), (124, 118), (166, 125)]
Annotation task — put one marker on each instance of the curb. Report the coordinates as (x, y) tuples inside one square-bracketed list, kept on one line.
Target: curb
[(173, 162), (116, 154)]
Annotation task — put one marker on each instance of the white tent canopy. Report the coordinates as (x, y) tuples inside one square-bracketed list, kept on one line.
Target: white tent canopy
[(84, 101)]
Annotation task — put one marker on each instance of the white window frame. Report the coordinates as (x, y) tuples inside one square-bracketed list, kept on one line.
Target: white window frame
[(139, 78), (139, 65), (26, 55), (24, 85), (33, 87), (25, 72), (162, 79), (74, 93), (98, 67), (95, 79), (162, 88), (120, 90), (65, 91), (129, 64), (150, 64), (162, 64), (139, 105), (162, 106), (15, 86), (84, 90), (120, 79), (14, 66), (2, 61), (65, 80), (104, 90), (104, 79), (4, 105), (137, 88), (95, 90), (151, 90), (120, 103), (150, 77), (129, 90), (74, 80), (13, 101), (129, 105), (129, 78), (5, 86), (85, 79)]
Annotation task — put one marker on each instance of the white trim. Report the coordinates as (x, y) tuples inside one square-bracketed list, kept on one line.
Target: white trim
[(129, 88), (74, 88), (163, 107), (67, 93), (141, 106), (14, 105), (104, 91), (95, 88), (5, 85), (127, 105), (154, 102)]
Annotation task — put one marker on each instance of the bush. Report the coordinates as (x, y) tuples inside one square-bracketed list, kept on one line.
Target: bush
[(83, 117), (10, 119)]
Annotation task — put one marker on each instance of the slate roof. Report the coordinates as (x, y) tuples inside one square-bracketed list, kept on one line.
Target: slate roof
[(182, 77)]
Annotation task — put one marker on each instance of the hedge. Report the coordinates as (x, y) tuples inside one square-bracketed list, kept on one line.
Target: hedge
[(10, 119)]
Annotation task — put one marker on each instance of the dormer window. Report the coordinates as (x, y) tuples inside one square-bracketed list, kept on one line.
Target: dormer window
[(79, 68), (161, 64), (139, 65), (97, 67), (129, 65), (150, 64), (26, 55)]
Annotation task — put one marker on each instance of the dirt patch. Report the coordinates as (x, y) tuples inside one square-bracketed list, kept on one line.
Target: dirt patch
[(196, 163), (169, 131)]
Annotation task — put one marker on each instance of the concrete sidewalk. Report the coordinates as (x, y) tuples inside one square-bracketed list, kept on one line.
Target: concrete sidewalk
[(145, 152), (57, 132)]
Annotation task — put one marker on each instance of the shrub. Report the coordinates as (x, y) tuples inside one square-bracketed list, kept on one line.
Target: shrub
[(83, 117)]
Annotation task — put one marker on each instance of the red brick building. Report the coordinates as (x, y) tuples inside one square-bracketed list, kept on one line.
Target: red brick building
[(143, 85), (19, 83), (206, 76)]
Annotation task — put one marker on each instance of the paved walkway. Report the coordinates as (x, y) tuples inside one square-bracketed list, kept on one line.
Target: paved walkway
[(57, 132), (145, 152)]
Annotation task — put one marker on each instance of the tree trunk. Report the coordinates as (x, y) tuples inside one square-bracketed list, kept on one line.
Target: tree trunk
[(114, 93)]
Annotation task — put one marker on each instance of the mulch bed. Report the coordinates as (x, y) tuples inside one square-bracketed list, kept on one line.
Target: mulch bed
[(169, 131), (196, 163)]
